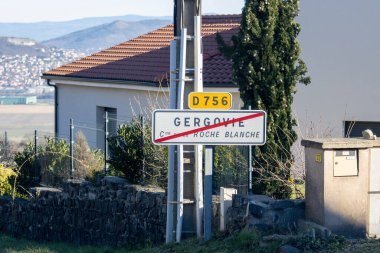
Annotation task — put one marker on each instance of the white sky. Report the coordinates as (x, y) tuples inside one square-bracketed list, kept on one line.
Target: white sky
[(55, 10)]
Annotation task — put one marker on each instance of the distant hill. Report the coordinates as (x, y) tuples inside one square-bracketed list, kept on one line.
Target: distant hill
[(12, 46), (41, 31), (99, 37)]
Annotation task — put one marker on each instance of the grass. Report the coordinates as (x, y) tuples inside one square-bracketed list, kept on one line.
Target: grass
[(298, 190), (239, 243)]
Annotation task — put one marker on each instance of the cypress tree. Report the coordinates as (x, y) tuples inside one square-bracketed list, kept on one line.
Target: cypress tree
[(267, 67)]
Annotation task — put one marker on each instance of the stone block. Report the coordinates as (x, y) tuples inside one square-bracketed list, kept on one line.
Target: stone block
[(138, 196), (43, 192), (237, 200), (257, 209), (288, 249), (114, 182), (282, 204), (121, 194), (261, 198), (289, 219), (320, 231), (5, 200), (299, 203), (261, 227)]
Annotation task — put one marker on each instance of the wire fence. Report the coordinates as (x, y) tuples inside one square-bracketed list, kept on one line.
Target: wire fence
[(232, 172), (44, 158)]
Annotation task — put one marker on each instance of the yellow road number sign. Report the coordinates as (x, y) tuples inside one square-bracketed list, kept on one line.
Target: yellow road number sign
[(210, 100)]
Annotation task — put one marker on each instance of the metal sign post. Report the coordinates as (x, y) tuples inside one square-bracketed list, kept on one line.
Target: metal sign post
[(195, 127), (171, 151), (185, 131), (186, 76), (209, 167)]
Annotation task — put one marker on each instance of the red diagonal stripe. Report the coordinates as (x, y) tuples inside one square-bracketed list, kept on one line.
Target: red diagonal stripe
[(197, 130)]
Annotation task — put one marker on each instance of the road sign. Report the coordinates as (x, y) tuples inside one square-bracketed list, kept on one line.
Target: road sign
[(171, 127), (210, 100)]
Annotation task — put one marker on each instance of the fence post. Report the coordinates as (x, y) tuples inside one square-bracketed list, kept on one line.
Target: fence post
[(142, 120), (250, 168), (37, 175), (5, 145), (106, 133), (71, 148)]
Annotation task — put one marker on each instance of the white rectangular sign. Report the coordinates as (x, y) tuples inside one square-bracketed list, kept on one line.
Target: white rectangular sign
[(171, 127)]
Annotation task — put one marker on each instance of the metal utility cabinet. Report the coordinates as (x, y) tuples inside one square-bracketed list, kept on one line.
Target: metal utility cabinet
[(343, 185)]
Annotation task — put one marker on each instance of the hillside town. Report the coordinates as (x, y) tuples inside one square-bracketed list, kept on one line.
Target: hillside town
[(21, 74)]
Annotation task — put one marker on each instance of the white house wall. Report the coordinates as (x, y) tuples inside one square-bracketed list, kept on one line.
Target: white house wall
[(80, 103)]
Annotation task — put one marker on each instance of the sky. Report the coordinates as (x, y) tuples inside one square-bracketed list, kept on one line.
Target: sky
[(54, 10)]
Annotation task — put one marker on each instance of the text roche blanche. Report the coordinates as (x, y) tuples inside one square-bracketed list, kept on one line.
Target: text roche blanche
[(217, 134)]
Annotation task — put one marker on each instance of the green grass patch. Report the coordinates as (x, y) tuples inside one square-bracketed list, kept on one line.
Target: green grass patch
[(239, 243), (11, 245)]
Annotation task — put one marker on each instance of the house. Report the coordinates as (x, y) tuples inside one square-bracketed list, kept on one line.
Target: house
[(131, 79)]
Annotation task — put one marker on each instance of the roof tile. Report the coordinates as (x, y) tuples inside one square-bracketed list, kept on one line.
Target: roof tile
[(146, 58)]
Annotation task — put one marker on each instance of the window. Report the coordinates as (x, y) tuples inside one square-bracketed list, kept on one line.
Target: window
[(355, 128), (101, 121)]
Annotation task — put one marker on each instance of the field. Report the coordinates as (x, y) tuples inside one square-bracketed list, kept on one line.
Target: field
[(20, 121)]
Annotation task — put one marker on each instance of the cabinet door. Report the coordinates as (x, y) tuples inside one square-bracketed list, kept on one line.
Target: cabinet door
[(345, 163)]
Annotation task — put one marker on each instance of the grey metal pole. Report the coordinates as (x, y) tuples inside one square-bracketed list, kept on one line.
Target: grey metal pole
[(185, 20), (143, 146), (37, 175), (209, 166), (5, 145), (171, 156), (106, 133), (71, 148), (250, 169)]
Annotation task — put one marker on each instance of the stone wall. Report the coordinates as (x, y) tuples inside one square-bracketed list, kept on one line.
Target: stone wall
[(111, 213), (265, 214)]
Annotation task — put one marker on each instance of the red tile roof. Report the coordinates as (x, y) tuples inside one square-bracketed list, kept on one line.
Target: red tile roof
[(146, 58)]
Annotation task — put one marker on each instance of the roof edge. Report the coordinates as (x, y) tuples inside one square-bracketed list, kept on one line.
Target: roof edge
[(129, 82), (95, 80)]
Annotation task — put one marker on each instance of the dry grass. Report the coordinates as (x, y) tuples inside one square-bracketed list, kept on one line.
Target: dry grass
[(20, 121)]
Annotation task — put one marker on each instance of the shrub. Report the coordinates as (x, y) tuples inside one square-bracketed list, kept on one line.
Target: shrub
[(267, 67), (26, 165), (126, 158), (5, 184), (88, 163), (53, 159), (127, 155)]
